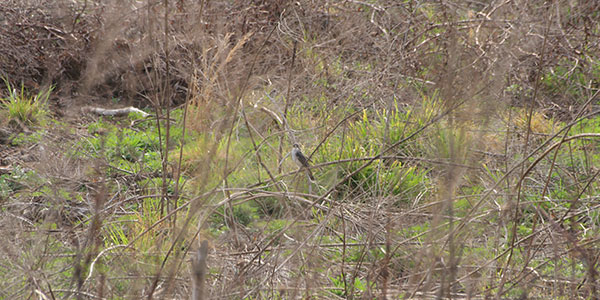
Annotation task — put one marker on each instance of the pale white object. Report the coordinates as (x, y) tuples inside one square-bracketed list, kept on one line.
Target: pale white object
[(115, 112)]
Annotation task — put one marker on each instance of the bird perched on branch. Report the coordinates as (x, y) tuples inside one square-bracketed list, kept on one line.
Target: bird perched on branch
[(301, 160)]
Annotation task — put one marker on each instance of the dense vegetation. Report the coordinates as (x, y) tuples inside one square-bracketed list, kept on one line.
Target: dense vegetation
[(455, 147)]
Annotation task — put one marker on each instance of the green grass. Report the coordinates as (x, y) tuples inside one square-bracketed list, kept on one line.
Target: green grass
[(366, 76), (128, 148), (137, 150), (22, 106), (568, 77)]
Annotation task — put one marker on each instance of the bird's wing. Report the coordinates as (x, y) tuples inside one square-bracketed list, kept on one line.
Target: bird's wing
[(302, 159)]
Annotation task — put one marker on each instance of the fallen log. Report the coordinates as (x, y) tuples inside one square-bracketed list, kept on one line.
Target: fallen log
[(114, 112)]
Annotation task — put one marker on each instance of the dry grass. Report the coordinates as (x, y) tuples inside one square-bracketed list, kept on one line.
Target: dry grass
[(495, 98)]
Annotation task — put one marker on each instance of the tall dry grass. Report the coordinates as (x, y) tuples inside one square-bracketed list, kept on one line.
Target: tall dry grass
[(277, 72)]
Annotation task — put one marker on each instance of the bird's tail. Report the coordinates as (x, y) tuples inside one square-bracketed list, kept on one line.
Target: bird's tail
[(310, 174)]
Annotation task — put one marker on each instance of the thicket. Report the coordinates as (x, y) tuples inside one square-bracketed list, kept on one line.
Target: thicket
[(454, 145)]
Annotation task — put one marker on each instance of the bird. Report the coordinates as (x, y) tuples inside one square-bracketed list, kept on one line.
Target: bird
[(301, 160)]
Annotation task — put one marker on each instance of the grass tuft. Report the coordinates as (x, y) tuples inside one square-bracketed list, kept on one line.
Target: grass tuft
[(24, 107)]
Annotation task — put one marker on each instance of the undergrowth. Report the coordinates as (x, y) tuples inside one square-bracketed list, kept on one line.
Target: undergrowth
[(454, 148)]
